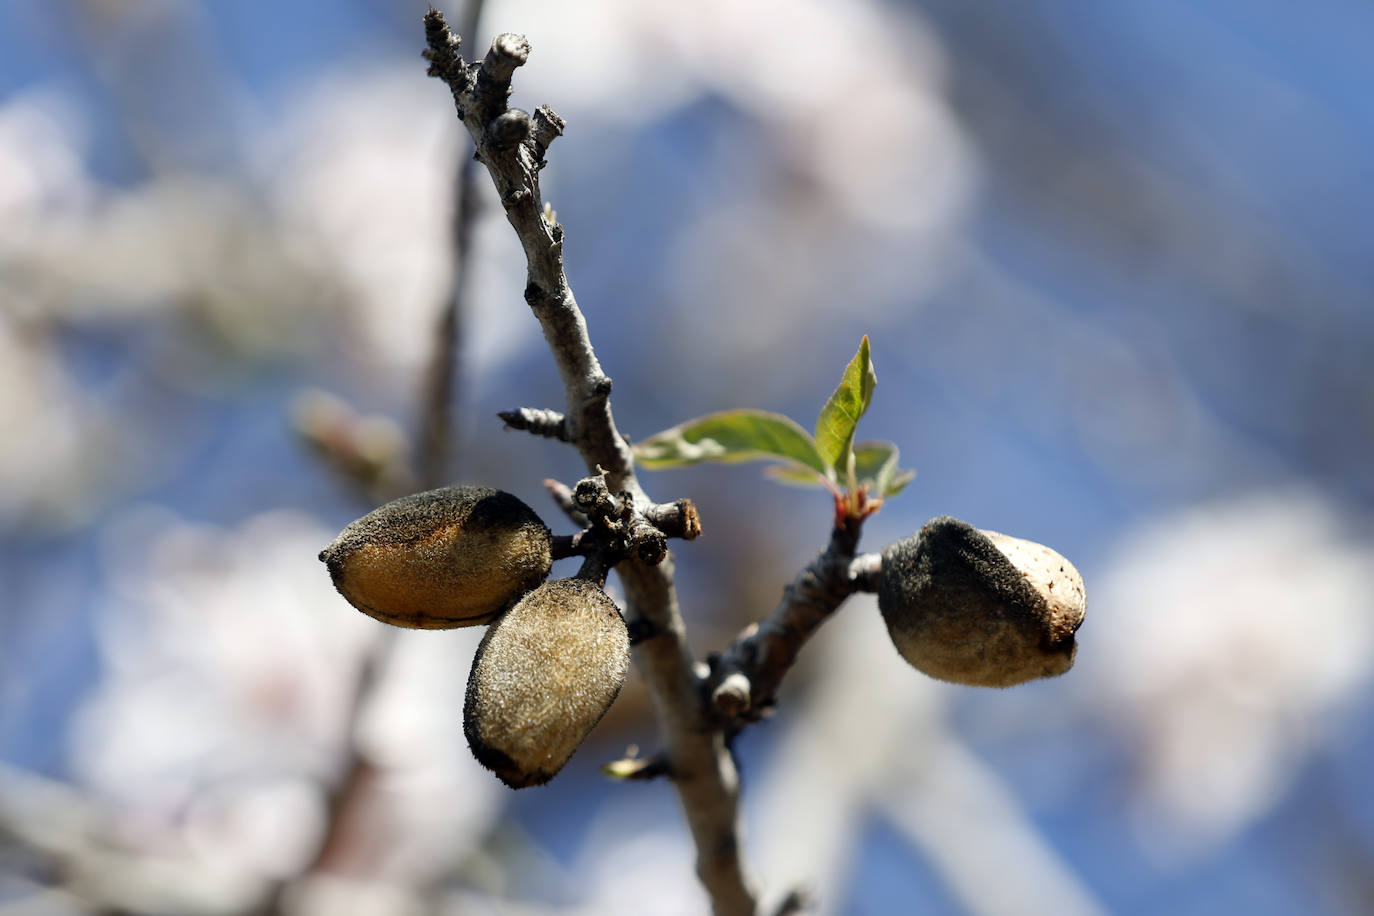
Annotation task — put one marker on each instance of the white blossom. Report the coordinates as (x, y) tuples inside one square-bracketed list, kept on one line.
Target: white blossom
[(1225, 640), (228, 701)]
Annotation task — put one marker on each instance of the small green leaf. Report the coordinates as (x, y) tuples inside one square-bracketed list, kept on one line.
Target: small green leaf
[(796, 475), (874, 462), (898, 483), (839, 416), (730, 436), (875, 465)]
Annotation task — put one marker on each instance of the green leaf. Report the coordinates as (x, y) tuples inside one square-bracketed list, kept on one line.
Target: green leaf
[(898, 483), (796, 475), (875, 464), (839, 416), (730, 436)]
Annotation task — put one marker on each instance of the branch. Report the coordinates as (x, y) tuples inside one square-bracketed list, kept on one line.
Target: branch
[(512, 145), (513, 153), (441, 376), (350, 785), (746, 677)]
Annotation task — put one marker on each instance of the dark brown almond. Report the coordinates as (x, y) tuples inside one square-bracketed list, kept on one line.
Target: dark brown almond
[(445, 558)]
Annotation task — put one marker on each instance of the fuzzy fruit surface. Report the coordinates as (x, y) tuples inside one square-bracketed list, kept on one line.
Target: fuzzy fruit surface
[(444, 558), (544, 675), (978, 607)]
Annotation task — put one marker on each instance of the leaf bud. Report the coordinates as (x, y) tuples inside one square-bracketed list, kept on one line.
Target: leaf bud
[(978, 607), (544, 675), (445, 558)]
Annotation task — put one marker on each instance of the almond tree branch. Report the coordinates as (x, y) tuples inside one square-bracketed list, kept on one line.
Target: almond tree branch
[(745, 679), (512, 145)]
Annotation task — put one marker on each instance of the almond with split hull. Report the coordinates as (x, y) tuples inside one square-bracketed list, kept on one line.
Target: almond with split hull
[(978, 607)]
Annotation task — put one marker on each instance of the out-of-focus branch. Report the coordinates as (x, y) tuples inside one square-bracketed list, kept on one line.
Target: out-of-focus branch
[(441, 377), (432, 467), (354, 779), (562, 494), (441, 381), (512, 145), (987, 851), (366, 452), (72, 839)]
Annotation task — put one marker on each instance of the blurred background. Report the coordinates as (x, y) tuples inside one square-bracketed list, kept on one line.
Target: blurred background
[(1115, 263)]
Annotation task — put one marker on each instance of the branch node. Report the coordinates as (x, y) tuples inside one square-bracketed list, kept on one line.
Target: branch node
[(864, 572), (593, 498), (676, 519), (545, 127), (536, 296), (651, 545), (508, 51), (507, 129), (731, 696)]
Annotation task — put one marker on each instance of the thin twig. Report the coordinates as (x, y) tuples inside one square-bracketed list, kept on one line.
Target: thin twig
[(676, 519), (513, 147), (537, 422)]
